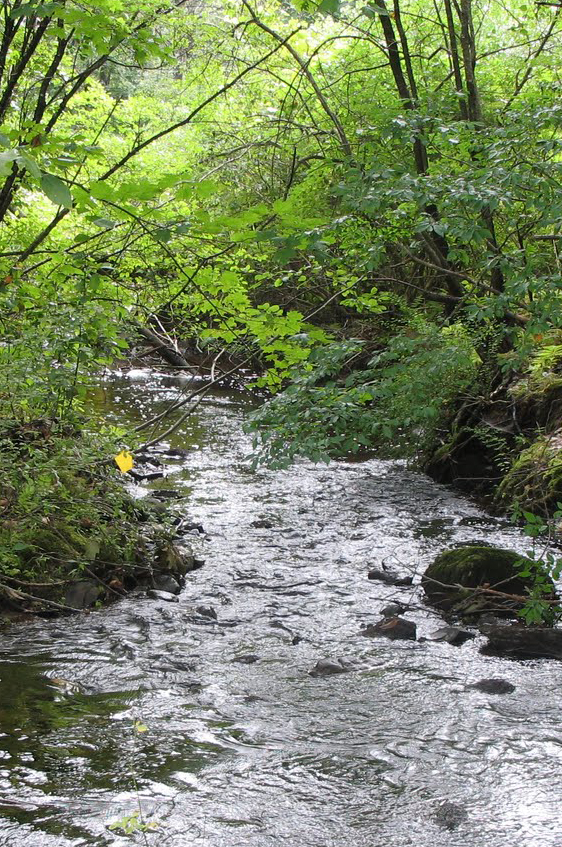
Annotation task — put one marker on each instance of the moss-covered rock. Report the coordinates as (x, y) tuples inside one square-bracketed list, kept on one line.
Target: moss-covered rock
[(534, 480), (452, 581)]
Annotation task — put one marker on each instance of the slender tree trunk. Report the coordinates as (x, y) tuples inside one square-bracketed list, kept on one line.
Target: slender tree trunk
[(474, 113), (435, 243), (455, 59)]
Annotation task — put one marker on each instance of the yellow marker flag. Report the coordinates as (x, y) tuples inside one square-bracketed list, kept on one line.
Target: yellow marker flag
[(124, 461)]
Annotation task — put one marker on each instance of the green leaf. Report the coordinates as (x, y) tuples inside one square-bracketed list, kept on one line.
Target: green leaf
[(207, 187), (38, 10), (162, 235), (329, 7), (57, 192), (29, 164), (6, 161), (103, 223), (373, 11)]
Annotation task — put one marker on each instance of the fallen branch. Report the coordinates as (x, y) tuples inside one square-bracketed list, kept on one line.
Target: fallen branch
[(12, 594)]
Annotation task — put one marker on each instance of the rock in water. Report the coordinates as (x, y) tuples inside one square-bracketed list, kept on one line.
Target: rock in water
[(83, 594), (329, 667), (521, 642), (493, 686), (452, 635), (449, 815), (393, 610), (389, 578), (207, 612), (246, 659), (395, 628), (171, 560), (448, 581), (165, 582), (162, 595)]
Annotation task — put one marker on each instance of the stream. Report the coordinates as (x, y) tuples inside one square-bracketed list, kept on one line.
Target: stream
[(214, 733)]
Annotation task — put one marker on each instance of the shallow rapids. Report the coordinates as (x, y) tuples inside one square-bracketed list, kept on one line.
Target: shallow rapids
[(213, 733)]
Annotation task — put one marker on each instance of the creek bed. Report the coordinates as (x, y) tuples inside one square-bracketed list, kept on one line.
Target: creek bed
[(146, 704)]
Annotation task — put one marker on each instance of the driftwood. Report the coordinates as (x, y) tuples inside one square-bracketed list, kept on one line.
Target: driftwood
[(164, 348)]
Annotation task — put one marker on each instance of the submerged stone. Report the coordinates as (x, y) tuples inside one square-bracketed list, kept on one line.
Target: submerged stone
[(162, 595), (389, 578), (395, 628), (449, 815), (452, 635), (493, 686), (329, 667), (207, 612)]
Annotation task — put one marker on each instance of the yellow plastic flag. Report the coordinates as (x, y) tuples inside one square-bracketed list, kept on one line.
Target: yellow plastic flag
[(124, 461)]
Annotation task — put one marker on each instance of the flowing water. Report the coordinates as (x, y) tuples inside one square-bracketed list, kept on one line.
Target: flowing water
[(144, 706)]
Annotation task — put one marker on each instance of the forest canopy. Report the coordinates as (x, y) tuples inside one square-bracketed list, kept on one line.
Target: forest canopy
[(363, 196)]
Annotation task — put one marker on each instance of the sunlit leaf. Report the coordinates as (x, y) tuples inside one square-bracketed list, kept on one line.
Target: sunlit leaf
[(56, 190), (124, 461)]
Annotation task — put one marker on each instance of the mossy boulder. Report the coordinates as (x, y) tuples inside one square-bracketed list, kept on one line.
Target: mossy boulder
[(452, 581), (534, 480)]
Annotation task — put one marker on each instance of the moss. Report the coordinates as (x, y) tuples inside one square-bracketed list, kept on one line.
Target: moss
[(534, 480), (538, 401), (471, 567)]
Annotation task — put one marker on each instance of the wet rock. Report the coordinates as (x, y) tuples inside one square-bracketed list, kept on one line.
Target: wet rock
[(246, 659), (162, 595), (207, 612), (393, 610), (280, 625), (296, 639), (452, 580), (122, 649), (83, 594), (452, 635), (389, 578), (147, 459), (166, 494), (182, 526), (169, 559), (152, 505), (145, 476), (165, 582), (329, 667), (449, 815), (521, 642), (395, 628), (262, 524), (486, 622), (493, 686)]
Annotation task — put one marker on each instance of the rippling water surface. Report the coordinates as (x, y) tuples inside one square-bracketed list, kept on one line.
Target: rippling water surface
[(396, 752)]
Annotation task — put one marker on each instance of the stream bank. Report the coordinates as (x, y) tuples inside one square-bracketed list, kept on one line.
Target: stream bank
[(71, 535)]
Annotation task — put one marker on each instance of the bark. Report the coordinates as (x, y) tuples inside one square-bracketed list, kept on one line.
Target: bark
[(164, 348)]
